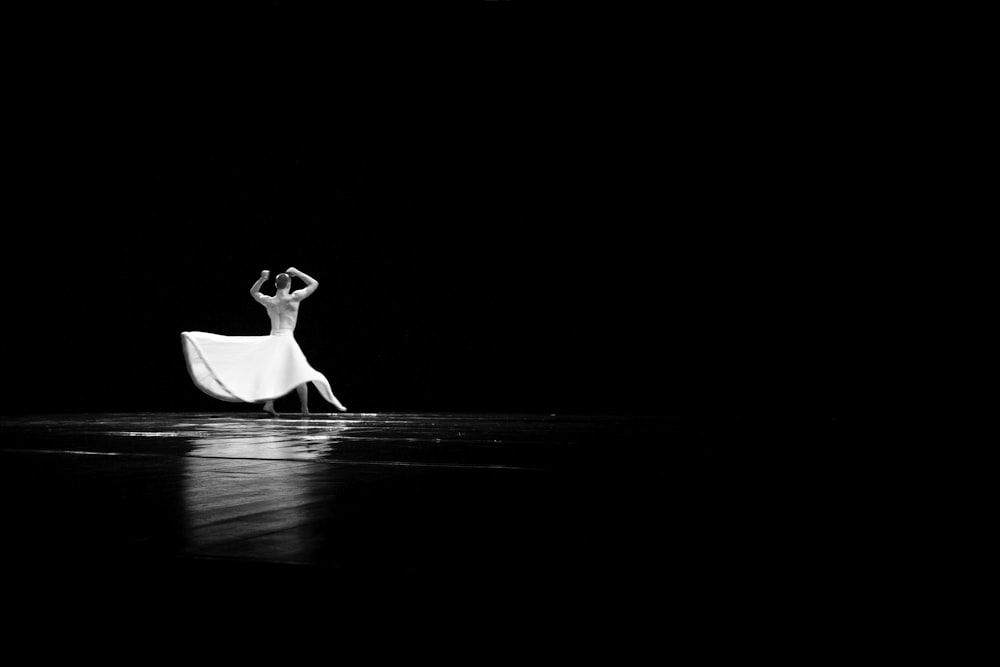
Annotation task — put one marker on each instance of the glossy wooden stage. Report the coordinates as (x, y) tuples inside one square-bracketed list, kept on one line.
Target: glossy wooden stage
[(372, 504), (463, 532), (416, 493)]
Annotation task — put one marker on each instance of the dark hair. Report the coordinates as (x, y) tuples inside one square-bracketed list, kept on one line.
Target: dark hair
[(283, 280)]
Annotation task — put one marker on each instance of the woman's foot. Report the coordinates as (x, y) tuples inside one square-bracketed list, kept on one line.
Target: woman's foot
[(269, 409)]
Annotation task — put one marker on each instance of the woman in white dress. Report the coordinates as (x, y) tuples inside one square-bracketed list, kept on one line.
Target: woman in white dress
[(252, 369)]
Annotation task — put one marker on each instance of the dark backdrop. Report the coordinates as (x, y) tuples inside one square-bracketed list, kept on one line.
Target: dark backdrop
[(505, 213)]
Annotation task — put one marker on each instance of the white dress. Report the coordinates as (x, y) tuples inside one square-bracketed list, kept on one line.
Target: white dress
[(250, 369)]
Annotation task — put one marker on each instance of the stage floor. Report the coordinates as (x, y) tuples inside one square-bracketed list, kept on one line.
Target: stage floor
[(440, 493), (404, 507)]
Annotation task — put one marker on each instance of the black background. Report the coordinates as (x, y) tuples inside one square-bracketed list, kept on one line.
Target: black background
[(507, 211)]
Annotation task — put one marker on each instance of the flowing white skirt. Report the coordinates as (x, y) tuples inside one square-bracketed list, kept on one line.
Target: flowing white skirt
[(251, 369)]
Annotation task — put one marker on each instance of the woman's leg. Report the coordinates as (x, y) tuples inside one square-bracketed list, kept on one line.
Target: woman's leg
[(303, 390)]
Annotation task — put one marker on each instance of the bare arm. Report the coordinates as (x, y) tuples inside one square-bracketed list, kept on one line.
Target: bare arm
[(311, 283), (255, 290)]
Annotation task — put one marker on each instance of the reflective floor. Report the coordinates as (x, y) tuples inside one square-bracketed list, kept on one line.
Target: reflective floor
[(379, 492), (548, 513)]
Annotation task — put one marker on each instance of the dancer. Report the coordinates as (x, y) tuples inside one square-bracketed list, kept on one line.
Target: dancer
[(253, 369)]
